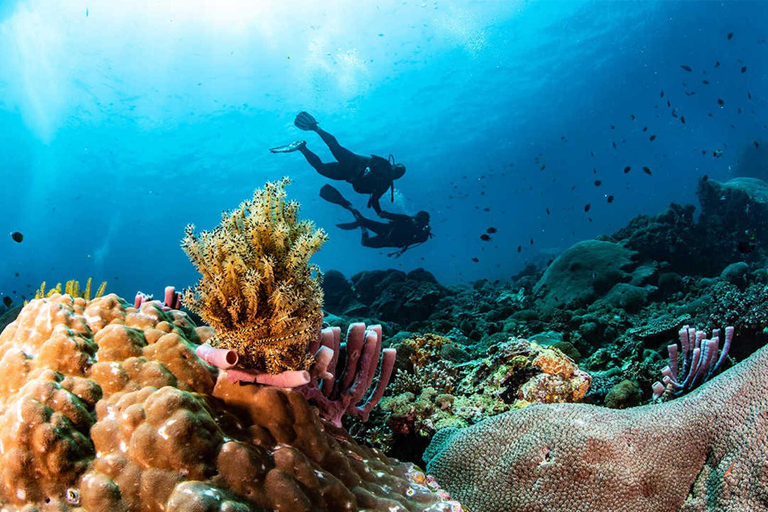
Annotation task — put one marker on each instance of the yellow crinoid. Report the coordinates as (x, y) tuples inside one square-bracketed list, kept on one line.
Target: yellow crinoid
[(257, 288)]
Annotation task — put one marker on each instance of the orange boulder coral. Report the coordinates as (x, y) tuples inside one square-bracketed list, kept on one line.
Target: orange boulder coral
[(105, 407)]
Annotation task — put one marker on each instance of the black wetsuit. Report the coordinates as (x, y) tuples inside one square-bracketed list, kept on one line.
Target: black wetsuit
[(368, 175), (401, 231)]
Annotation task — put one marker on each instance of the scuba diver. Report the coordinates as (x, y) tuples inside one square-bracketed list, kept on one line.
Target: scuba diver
[(368, 175), (402, 231)]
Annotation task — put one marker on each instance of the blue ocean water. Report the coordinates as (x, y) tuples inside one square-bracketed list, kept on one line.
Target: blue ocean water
[(121, 122)]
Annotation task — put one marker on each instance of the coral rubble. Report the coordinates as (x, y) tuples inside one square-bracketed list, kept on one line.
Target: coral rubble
[(106, 407)]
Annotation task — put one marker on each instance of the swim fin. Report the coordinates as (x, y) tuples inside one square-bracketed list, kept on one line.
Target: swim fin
[(332, 195), (289, 148), (348, 226), (305, 121)]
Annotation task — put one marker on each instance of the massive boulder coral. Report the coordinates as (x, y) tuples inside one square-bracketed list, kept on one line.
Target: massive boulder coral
[(106, 407), (703, 452)]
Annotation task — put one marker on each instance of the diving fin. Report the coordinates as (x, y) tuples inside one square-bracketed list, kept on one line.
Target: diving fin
[(348, 225), (289, 148), (332, 195), (305, 121)]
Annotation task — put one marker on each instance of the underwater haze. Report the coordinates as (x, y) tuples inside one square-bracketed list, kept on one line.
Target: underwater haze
[(123, 121)]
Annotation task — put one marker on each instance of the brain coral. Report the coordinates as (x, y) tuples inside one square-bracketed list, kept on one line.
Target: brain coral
[(105, 407), (706, 451)]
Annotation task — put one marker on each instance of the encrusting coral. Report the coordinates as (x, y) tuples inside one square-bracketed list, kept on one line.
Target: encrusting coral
[(257, 288), (106, 407)]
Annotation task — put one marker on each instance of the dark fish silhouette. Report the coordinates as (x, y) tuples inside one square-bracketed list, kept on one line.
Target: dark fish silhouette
[(682, 119), (587, 207), (17, 237), (705, 82), (662, 94), (687, 68), (717, 64), (475, 260), (720, 102), (744, 69), (647, 171), (491, 230), (598, 183), (730, 35), (548, 208), (7, 301), (519, 248), (757, 144), (627, 169), (652, 137), (531, 241), (610, 199), (645, 128), (485, 238), (744, 247), (614, 144)]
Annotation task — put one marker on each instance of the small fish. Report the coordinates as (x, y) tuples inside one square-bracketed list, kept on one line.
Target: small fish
[(705, 82), (703, 151), (757, 144), (730, 35), (475, 260), (687, 68), (609, 199), (744, 69), (662, 94), (519, 248), (720, 102), (717, 64), (647, 171), (652, 138), (531, 241), (614, 144), (592, 154), (632, 116), (613, 127), (690, 93), (485, 238), (598, 183), (674, 113), (594, 171), (717, 153), (17, 237), (548, 212), (669, 104), (587, 207), (682, 119), (645, 128), (627, 169), (739, 110), (7, 301), (491, 230), (749, 95), (486, 209), (710, 114)]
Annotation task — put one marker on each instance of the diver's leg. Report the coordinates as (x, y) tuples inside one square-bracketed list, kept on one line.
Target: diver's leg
[(332, 170), (343, 155), (377, 227), (374, 242)]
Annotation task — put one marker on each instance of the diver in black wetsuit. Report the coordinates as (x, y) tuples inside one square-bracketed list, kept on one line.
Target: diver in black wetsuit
[(368, 175), (402, 231)]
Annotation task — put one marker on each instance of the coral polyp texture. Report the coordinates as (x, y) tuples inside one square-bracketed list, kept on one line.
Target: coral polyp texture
[(106, 407), (257, 288), (705, 451)]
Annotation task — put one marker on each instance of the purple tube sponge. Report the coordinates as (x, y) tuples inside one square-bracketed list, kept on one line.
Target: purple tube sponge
[(346, 392), (700, 361)]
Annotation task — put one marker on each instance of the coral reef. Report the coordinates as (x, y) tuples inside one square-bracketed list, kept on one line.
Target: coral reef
[(436, 395), (257, 288), (704, 451), (105, 407)]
